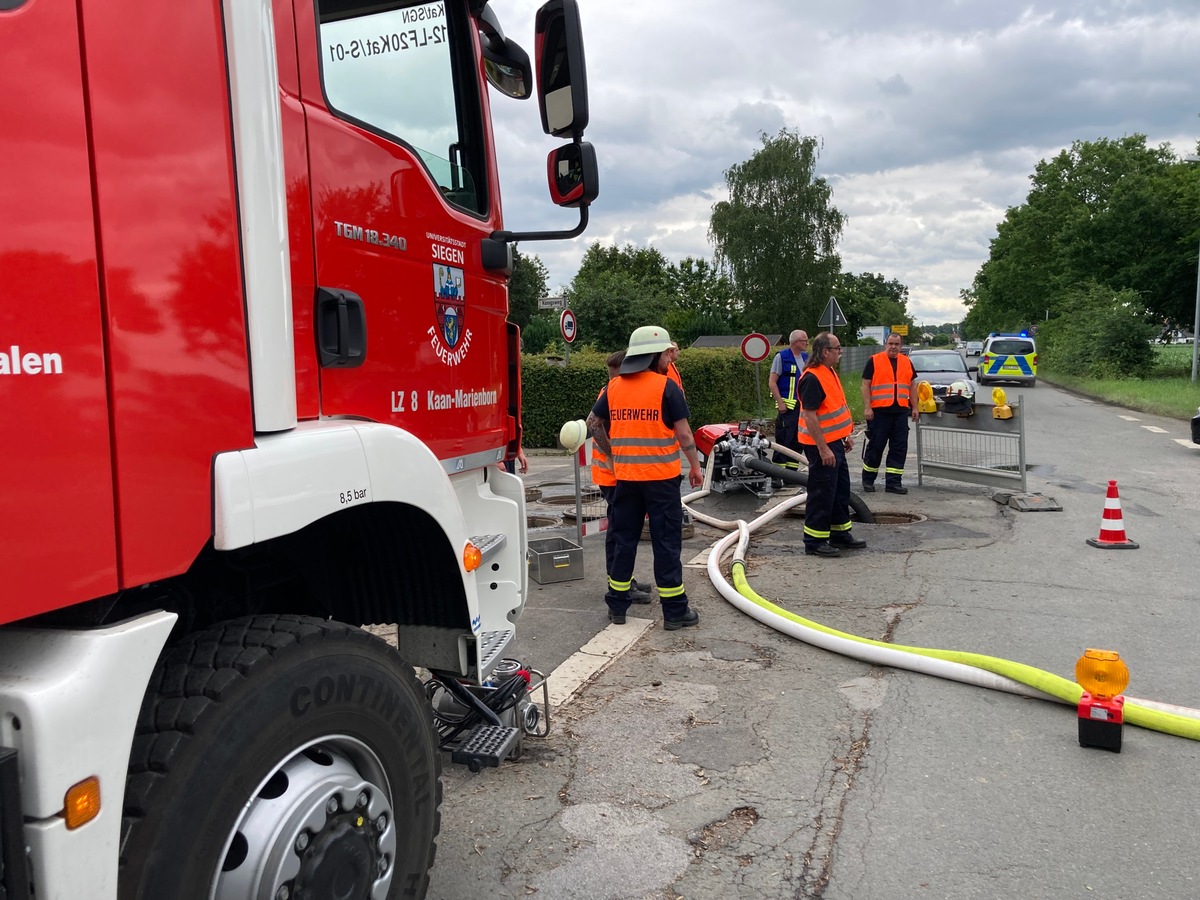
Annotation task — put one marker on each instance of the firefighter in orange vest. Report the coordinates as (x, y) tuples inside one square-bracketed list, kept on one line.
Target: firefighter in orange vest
[(825, 436), (672, 371), (606, 480), (889, 398), (640, 421)]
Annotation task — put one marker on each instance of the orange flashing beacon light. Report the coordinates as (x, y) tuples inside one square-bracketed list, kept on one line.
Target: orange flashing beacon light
[(1103, 676)]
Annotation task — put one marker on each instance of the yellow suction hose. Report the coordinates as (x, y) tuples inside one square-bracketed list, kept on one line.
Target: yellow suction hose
[(970, 668)]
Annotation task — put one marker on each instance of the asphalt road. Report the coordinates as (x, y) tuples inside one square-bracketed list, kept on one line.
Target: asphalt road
[(729, 760)]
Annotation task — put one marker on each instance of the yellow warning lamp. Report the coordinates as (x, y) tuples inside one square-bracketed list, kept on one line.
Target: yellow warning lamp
[(1103, 676), (82, 802), (1000, 407), (472, 557), (1102, 673), (925, 401)]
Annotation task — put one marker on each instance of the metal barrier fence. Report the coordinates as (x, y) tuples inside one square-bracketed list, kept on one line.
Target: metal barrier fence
[(590, 515), (979, 449)]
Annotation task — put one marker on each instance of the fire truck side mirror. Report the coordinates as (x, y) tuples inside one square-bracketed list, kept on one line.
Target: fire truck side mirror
[(506, 65), (573, 174), (561, 71)]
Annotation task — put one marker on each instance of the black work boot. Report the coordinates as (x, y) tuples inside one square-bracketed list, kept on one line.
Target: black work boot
[(687, 620)]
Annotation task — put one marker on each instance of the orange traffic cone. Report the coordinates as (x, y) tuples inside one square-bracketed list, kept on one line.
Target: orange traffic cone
[(1112, 526)]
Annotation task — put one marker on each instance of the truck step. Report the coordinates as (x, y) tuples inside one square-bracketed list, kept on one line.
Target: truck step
[(486, 745), (489, 544)]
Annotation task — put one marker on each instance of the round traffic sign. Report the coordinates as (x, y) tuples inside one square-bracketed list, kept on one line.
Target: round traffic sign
[(566, 324), (755, 347)]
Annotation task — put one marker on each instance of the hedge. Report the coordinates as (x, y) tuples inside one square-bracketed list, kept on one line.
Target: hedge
[(719, 385)]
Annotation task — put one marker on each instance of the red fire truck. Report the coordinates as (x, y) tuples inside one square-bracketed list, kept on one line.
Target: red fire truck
[(256, 376)]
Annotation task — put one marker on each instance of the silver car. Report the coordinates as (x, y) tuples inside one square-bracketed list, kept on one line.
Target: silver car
[(941, 368)]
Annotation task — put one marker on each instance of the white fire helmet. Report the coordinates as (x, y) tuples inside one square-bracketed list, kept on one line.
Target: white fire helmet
[(960, 389)]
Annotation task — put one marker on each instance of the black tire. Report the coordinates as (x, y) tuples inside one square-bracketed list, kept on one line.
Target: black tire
[(249, 731)]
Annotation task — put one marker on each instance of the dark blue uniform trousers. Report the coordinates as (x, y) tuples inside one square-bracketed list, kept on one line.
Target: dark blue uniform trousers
[(610, 543), (828, 506), (632, 502), (889, 428), (787, 426)]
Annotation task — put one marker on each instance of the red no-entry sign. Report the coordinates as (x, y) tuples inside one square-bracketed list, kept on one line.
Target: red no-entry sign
[(755, 347)]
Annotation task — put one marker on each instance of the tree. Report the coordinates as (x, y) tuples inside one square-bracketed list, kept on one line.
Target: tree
[(542, 334), (645, 265), (611, 305), (618, 289), (777, 234), (1108, 337), (1111, 213), (869, 299), (703, 302), (526, 287)]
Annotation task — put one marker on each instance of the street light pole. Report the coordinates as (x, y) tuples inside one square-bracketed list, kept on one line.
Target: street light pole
[(1196, 321), (1196, 318)]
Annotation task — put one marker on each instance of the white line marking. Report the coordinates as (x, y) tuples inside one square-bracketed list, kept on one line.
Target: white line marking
[(593, 658), (1183, 442), (1129, 418), (1155, 429)]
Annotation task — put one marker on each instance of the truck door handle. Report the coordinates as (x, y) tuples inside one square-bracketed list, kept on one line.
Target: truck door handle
[(341, 329)]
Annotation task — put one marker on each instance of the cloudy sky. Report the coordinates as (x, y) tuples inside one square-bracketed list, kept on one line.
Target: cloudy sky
[(932, 113)]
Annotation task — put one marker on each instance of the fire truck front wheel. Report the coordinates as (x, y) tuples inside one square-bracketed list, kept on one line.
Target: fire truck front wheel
[(281, 756)]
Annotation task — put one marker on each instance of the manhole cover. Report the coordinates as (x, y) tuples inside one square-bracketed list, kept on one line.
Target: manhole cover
[(897, 518)]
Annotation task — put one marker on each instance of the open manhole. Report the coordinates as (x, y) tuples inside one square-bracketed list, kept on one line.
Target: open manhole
[(898, 518), (541, 521), (569, 499), (533, 494)]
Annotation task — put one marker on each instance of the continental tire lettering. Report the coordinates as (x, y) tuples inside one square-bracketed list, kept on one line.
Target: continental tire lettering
[(301, 701), (347, 688), (388, 709), (324, 691)]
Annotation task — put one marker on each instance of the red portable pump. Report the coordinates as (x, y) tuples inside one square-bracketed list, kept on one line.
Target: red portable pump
[(257, 372)]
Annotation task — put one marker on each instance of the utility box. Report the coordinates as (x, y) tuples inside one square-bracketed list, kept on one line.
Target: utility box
[(555, 559)]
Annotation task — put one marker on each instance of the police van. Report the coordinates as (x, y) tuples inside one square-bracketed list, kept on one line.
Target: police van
[(1008, 357)]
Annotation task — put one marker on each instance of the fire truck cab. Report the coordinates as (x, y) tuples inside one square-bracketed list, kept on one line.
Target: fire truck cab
[(257, 377)]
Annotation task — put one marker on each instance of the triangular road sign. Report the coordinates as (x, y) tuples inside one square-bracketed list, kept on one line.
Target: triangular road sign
[(833, 317)]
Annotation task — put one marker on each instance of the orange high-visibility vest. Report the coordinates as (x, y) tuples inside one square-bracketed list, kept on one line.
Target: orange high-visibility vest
[(888, 388), (602, 468), (644, 447), (833, 415), (673, 374)]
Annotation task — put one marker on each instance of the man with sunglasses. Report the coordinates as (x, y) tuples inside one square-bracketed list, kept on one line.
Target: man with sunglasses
[(826, 428)]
